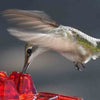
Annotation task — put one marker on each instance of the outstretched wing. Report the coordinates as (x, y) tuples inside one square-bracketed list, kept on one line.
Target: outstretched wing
[(30, 20), (45, 40)]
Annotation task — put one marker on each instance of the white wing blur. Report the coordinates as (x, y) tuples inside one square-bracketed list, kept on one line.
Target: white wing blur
[(45, 40)]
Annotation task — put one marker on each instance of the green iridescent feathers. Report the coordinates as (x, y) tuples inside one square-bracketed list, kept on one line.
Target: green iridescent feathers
[(88, 44)]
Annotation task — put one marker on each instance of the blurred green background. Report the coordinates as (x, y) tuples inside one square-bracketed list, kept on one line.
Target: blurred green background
[(50, 71)]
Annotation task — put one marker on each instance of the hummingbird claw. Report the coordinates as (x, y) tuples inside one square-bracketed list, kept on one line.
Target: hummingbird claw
[(82, 65), (77, 68), (78, 65)]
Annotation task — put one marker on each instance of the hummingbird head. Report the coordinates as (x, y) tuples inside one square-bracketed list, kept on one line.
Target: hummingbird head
[(28, 53), (28, 56)]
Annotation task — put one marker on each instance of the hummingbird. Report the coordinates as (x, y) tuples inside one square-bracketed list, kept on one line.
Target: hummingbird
[(41, 34)]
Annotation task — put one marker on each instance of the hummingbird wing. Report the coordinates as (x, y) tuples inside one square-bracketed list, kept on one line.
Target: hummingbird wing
[(51, 41), (30, 20)]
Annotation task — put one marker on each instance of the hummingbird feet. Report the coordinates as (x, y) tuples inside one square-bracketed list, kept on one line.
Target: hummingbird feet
[(78, 65)]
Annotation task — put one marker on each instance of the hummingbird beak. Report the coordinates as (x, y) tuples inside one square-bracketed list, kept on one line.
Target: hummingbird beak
[(26, 64)]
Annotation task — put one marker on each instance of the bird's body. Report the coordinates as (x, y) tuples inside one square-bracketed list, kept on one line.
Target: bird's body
[(42, 34), (84, 47)]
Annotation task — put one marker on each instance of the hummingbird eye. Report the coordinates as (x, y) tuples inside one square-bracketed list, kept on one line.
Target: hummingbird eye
[(29, 51)]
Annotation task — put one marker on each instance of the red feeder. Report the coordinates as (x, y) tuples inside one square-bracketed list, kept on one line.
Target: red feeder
[(19, 86)]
